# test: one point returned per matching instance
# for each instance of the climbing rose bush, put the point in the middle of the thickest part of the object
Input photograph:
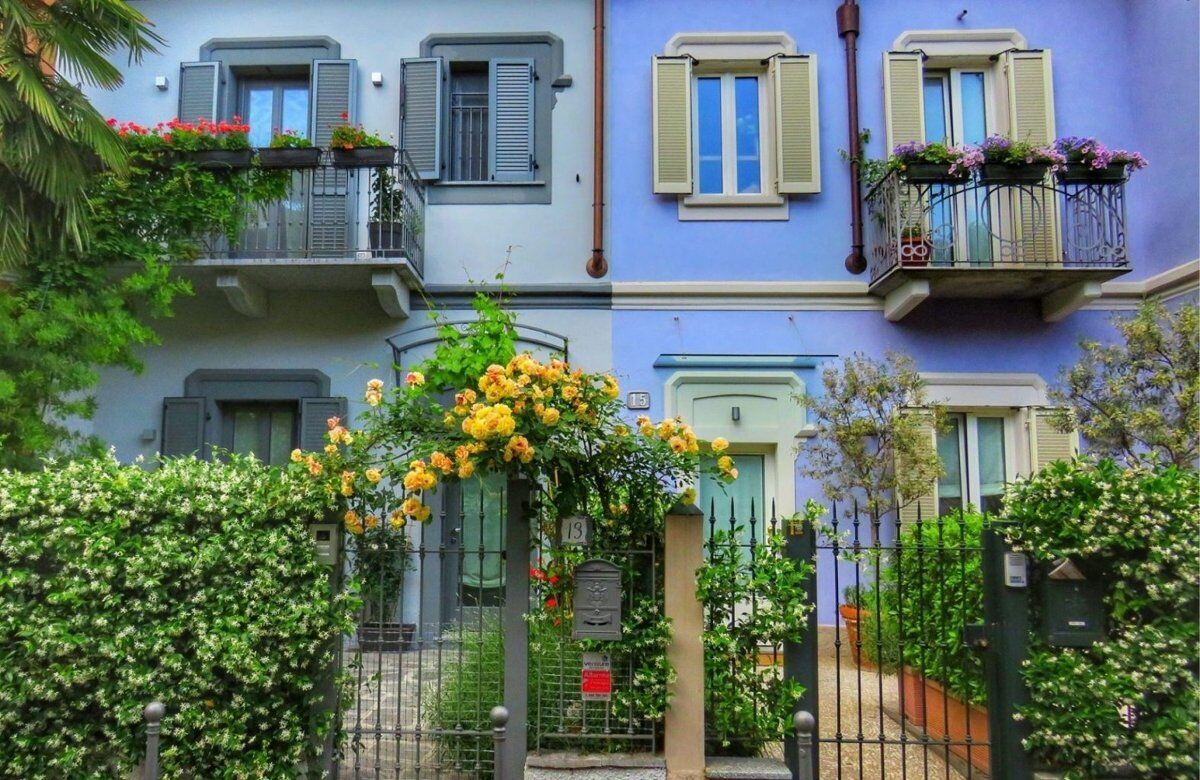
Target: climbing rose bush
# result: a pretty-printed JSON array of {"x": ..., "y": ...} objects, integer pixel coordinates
[
  {"x": 195, "y": 584},
  {"x": 557, "y": 426}
]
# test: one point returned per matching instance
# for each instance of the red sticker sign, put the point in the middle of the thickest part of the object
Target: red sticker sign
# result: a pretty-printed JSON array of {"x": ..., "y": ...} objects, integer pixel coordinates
[{"x": 596, "y": 679}]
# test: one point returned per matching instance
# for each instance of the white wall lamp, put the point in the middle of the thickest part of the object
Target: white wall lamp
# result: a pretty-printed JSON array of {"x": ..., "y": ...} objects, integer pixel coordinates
[
  {"x": 377, "y": 78},
  {"x": 161, "y": 83}
]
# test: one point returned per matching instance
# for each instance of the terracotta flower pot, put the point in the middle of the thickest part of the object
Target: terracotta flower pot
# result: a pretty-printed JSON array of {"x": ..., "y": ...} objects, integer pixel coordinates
[
  {"x": 948, "y": 715},
  {"x": 915, "y": 250},
  {"x": 912, "y": 692},
  {"x": 852, "y": 616}
]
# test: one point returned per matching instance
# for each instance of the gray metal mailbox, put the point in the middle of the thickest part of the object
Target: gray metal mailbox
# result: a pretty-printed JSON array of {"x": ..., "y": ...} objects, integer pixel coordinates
[
  {"x": 597, "y": 600},
  {"x": 1073, "y": 613}
]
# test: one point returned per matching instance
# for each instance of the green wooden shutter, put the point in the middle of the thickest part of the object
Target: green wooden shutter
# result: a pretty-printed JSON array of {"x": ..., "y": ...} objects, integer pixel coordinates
[
  {"x": 923, "y": 507},
  {"x": 510, "y": 119},
  {"x": 1031, "y": 118},
  {"x": 1046, "y": 442},
  {"x": 903, "y": 97},
  {"x": 199, "y": 87},
  {"x": 183, "y": 427},
  {"x": 672, "y": 99},
  {"x": 331, "y": 209},
  {"x": 421, "y": 113},
  {"x": 797, "y": 135},
  {"x": 314, "y": 416}
]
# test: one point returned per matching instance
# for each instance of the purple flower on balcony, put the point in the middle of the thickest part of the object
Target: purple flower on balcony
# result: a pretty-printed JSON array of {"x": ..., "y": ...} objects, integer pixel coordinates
[{"x": 1087, "y": 151}]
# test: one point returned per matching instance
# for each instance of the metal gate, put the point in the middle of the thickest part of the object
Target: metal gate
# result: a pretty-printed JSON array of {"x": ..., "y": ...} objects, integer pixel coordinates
[
  {"x": 432, "y": 655},
  {"x": 893, "y": 668}
]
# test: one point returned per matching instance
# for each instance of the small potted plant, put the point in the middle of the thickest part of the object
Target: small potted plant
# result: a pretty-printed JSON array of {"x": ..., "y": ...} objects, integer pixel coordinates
[
  {"x": 1017, "y": 162},
  {"x": 852, "y": 616},
  {"x": 390, "y": 217},
  {"x": 208, "y": 144},
  {"x": 915, "y": 248},
  {"x": 382, "y": 555},
  {"x": 354, "y": 147},
  {"x": 289, "y": 149},
  {"x": 933, "y": 163},
  {"x": 1089, "y": 161}
]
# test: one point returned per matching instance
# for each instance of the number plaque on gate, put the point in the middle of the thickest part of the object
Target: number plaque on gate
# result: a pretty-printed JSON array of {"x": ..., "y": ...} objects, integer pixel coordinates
[
  {"x": 576, "y": 531},
  {"x": 597, "y": 600}
]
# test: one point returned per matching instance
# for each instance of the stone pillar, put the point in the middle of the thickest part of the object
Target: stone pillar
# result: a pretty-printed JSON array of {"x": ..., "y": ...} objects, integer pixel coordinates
[{"x": 684, "y": 554}]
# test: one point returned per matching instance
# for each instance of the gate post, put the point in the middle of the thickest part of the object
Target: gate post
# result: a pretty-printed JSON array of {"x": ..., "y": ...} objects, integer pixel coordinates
[
  {"x": 511, "y": 762},
  {"x": 683, "y": 555},
  {"x": 800, "y": 659},
  {"x": 1006, "y": 612}
]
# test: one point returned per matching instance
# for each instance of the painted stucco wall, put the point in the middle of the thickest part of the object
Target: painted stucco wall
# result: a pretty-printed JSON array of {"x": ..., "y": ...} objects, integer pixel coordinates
[
  {"x": 1125, "y": 72},
  {"x": 463, "y": 242}
]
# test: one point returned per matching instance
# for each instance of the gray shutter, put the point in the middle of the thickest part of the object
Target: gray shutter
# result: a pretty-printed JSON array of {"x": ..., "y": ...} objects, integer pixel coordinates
[
  {"x": 314, "y": 416},
  {"x": 421, "y": 113},
  {"x": 510, "y": 120},
  {"x": 182, "y": 426},
  {"x": 331, "y": 210},
  {"x": 199, "y": 85}
]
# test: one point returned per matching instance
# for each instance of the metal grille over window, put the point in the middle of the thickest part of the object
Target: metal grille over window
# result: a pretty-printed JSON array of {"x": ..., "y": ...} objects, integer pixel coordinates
[{"x": 469, "y": 126}]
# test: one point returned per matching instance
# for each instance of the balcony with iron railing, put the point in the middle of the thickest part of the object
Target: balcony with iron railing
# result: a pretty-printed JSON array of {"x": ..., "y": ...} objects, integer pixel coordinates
[
  {"x": 340, "y": 225},
  {"x": 1049, "y": 239}
]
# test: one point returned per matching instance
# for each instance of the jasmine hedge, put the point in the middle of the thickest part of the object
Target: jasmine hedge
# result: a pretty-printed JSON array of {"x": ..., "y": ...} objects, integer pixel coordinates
[
  {"x": 1128, "y": 703},
  {"x": 195, "y": 584}
]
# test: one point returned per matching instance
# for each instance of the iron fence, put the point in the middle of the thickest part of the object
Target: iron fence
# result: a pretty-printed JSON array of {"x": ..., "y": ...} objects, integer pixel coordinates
[
  {"x": 901, "y": 688},
  {"x": 362, "y": 213},
  {"x": 984, "y": 224}
]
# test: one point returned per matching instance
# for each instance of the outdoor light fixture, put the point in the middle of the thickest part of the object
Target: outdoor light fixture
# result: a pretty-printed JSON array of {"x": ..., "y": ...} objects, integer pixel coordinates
[
  {"x": 377, "y": 78},
  {"x": 161, "y": 83},
  {"x": 736, "y": 413}
]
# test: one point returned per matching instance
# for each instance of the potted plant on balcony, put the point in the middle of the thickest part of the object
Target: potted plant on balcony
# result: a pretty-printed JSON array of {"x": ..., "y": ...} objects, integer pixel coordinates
[
  {"x": 933, "y": 163},
  {"x": 382, "y": 555},
  {"x": 208, "y": 144},
  {"x": 290, "y": 150},
  {"x": 1016, "y": 162},
  {"x": 915, "y": 248},
  {"x": 1089, "y": 161},
  {"x": 389, "y": 215},
  {"x": 354, "y": 147}
]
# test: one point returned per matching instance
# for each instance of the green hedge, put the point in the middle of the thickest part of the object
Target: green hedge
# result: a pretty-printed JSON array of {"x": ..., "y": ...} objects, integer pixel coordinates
[
  {"x": 195, "y": 584},
  {"x": 1135, "y": 529},
  {"x": 938, "y": 563}
]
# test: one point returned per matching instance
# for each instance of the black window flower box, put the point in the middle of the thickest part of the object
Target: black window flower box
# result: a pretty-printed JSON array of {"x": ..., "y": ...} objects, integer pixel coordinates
[
  {"x": 364, "y": 157},
  {"x": 217, "y": 158},
  {"x": 291, "y": 157},
  {"x": 1084, "y": 173},
  {"x": 933, "y": 173},
  {"x": 1001, "y": 173}
]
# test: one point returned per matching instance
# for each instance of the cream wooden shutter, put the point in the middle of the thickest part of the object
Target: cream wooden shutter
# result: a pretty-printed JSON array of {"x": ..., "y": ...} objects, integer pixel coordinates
[
  {"x": 797, "y": 132},
  {"x": 672, "y": 90},
  {"x": 903, "y": 97},
  {"x": 1046, "y": 443},
  {"x": 1031, "y": 118},
  {"x": 925, "y": 506}
]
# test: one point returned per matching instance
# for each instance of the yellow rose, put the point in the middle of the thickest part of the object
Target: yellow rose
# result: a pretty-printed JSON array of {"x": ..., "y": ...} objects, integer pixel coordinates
[
  {"x": 550, "y": 416},
  {"x": 621, "y": 430},
  {"x": 720, "y": 444},
  {"x": 396, "y": 520},
  {"x": 666, "y": 429},
  {"x": 375, "y": 384},
  {"x": 688, "y": 496},
  {"x": 611, "y": 389},
  {"x": 677, "y": 444},
  {"x": 331, "y": 449},
  {"x": 724, "y": 463},
  {"x": 732, "y": 474},
  {"x": 373, "y": 475},
  {"x": 414, "y": 379},
  {"x": 297, "y": 456},
  {"x": 646, "y": 430},
  {"x": 465, "y": 469},
  {"x": 371, "y": 521},
  {"x": 410, "y": 505}
]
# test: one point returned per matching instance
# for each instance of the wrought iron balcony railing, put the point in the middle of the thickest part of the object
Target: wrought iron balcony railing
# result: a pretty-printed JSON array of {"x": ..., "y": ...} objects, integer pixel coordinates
[
  {"x": 984, "y": 224},
  {"x": 333, "y": 211}
]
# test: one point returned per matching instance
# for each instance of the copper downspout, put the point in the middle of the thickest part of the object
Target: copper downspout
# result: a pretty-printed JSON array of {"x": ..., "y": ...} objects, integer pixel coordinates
[
  {"x": 597, "y": 266},
  {"x": 847, "y": 22}
]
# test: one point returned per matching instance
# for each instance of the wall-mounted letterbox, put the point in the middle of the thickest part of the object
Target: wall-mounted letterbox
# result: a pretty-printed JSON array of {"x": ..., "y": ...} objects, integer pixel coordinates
[
  {"x": 1073, "y": 613},
  {"x": 597, "y": 600}
]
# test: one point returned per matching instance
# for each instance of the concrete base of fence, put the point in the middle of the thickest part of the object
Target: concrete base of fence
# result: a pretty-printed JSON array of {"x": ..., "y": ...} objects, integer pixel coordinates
[
  {"x": 745, "y": 769},
  {"x": 683, "y": 728},
  {"x": 615, "y": 766}
]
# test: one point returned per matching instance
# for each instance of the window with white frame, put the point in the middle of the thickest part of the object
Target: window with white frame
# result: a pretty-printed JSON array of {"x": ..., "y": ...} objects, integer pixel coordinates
[
  {"x": 730, "y": 129},
  {"x": 975, "y": 455}
]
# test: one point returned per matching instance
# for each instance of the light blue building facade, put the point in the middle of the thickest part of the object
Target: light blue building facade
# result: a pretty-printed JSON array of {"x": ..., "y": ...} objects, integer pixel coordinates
[{"x": 727, "y": 216}]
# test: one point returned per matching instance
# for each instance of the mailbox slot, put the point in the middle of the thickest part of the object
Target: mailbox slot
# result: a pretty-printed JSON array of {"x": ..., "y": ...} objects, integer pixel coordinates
[
  {"x": 325, "y": 542},
  {"x": 597, "y": 600},
  {"x": 1073, "y": 613}
]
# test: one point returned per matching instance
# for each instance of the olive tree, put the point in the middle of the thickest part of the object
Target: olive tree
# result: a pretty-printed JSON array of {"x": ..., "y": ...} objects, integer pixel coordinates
[
  {"x": 873, "y": 437},
  {"x": 1138, "y": 400}
]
